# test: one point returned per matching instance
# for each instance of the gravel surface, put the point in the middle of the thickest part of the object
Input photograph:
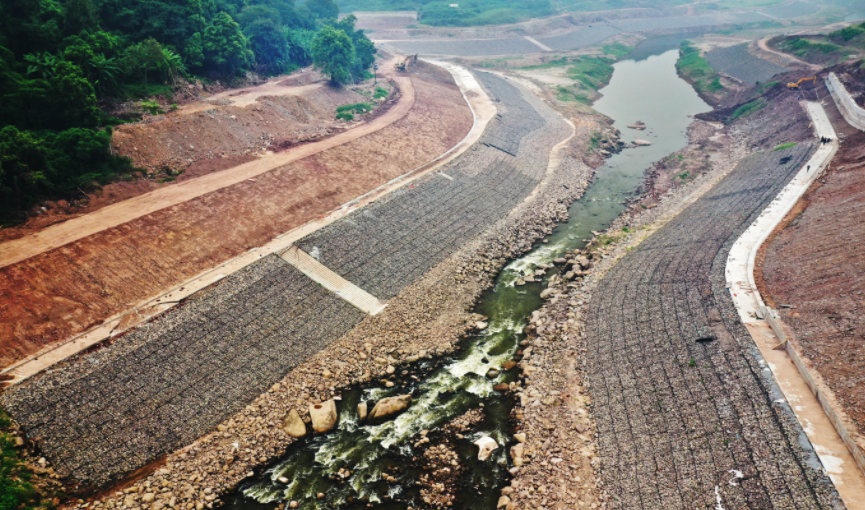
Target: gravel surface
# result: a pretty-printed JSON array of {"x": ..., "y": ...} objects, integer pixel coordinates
[
  {"x": 738, "y": 63},
  {"x": 682, "y": 403},
  {"x": 388, "y": 245}
]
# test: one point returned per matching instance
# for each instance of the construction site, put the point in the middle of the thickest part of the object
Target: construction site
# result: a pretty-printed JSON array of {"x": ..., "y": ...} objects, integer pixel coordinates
[{"x": 591, "y": 260}]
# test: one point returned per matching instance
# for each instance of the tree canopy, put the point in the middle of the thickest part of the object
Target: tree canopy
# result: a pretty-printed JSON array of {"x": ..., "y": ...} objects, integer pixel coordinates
[
  {"x": 61, "y": 59},
  {"x": 333, "y": 52}
]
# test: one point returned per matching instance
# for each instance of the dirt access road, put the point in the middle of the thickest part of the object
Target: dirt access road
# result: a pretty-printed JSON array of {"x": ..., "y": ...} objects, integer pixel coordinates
[
  {"x": 128, "y": 210},
  {"x": 786, "y": 59}
]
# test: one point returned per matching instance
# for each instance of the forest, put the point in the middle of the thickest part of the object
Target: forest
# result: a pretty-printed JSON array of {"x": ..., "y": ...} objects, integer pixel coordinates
[{"x": 63, "y": 63}]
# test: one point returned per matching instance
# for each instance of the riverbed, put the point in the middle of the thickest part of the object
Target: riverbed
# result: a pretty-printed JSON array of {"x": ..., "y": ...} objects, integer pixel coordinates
[{"x": 345, "y": 468}]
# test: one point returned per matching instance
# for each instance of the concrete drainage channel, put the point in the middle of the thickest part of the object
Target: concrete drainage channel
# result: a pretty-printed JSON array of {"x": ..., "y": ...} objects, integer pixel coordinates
[{"x": 841, "y": 455}]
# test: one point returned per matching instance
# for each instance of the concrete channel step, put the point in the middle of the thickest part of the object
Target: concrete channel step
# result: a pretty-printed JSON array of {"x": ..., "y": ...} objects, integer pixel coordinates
[{"x": 331, "y": 281}]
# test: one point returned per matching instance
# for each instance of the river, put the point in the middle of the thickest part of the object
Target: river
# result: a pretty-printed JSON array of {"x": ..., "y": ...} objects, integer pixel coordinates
[{"x": 648, "y": 90}]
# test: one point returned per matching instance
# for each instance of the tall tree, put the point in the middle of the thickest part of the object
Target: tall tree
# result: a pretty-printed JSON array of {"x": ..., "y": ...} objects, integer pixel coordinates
[
  {"x": 225, "y": 46},
  {"x": 333, "y": 52},
  {"x": 145, "y": 56},
  {"x": 270, "y": 46}
]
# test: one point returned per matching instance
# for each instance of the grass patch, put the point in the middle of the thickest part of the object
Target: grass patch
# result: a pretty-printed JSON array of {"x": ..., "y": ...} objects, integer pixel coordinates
[
  {"x": 16, "y": 491},
  {"x": 569, "y": 94},
  {"x": 617, "y": 50},
  {"x": 695, "y": 68},
  {"x": 785, "y": 146},
  {"x": 748, "y": 108},
  {"x": 806, "y": 49},
  {"x": 355, "y": 108},
  {"x": 347, "y": 116},
  {"x": 380, "y": 93}
]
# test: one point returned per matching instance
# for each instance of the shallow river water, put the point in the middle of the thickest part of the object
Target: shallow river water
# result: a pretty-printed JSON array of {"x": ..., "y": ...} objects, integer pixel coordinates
[{"x": 648, "y": 90}]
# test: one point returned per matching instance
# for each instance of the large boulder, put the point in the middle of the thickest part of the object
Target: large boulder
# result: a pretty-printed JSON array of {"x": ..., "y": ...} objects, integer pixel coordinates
[
  {"x": 389, "y": 406},
  {"x": 293, "y": 425},
  {"x": 486, "y": 446},
  {"x": 362, "y": 411},
  {"x": 323, "y": 416}
]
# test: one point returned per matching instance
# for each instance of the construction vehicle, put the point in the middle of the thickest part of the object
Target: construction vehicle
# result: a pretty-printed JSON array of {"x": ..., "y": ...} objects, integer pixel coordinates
[
  {"x": 402, "y": 66},
  {"x": 795, "y": 85}
]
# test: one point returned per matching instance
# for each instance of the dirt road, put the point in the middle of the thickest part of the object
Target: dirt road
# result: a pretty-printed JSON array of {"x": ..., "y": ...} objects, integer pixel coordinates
[
  {"x": 126, "y": 211},
  {"x": 763, "y": 45}
]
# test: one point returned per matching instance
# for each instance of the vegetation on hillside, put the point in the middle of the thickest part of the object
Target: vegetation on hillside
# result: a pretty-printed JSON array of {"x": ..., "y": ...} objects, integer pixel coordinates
[
  {"x": 589, "y": 73},
  {"x": 16, "y": 491},
  {"x": 692, "y": 66},
  {"x": 61, "y": 60},
  {"x": 854, "y": 35},
  {"x": 809, "y": 50}
]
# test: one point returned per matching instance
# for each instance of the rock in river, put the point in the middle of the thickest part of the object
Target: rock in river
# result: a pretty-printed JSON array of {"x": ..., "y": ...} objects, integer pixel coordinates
[
  {"x": 486, "y": 446},
  {"x": 389, "y": 406},
  {"x": 361, "y": 411},
  {"x": 293, "y": 425},
  {"x": 323, "y": 416}
]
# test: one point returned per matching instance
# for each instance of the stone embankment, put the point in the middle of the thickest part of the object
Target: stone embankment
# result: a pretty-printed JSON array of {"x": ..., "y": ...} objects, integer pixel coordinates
[
  {"x": 424, "y": 319},
  {"x": 680, "y": 400}
]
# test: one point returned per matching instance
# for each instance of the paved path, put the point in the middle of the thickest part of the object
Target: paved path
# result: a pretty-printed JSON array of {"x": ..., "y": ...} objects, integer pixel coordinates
[
  {"x": 128, "y": 210},
  {"x": 688, "y": 414}
]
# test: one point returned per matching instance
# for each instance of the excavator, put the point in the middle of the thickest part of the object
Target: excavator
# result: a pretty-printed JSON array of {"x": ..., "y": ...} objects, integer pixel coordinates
[
  {"x": 795, "y": 85},
  {"x": 402, "y": 66}
]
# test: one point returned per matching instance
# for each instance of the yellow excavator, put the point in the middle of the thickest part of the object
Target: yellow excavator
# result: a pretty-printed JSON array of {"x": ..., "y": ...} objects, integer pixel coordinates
[
  {"x": 401, "y": 66},
  {"x": 795, "y": 85}
]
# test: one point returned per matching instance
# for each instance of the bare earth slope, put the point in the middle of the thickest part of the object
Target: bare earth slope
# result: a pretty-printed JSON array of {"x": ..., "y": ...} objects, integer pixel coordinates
[
  {"x": 59, "y": 293},
  {"x": 816, "y": 266}
]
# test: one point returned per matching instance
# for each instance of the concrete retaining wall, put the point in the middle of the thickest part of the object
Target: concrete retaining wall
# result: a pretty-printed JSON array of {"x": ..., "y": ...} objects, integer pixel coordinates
[
  {"x": 852, "y": 112},
  {"x": 791, "y": 347}
]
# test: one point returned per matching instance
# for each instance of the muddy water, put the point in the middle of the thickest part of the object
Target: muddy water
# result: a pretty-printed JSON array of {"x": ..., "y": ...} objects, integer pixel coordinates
[{"x": 648, "y": 90}]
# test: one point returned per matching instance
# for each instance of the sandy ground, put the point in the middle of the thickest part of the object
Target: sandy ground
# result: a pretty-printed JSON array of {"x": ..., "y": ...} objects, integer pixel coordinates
[{"x": 161, "y": 239}]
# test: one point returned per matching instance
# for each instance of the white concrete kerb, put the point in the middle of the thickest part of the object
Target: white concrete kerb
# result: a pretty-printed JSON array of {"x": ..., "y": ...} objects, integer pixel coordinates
[
  {"x": 824, "y": 428},
  {"x": 743, "y": 255}
]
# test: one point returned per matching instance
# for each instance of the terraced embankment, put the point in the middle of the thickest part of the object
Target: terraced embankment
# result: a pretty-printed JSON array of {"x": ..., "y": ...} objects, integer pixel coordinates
[
  {"x": 686, "y": 411},
  {"x": 737, "y": 62},
  {"x": 59, "y": 293},
  {"x": 149, "y": 392}
]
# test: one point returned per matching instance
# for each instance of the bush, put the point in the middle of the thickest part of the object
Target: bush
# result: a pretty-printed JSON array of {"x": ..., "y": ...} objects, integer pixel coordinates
[
  {"x": 46, "y": 165},
  {"x": 355, "y": 108},
  {"x": 345, "y": 116},
  {"x": 748, "y": 108},
  {"x": 380, "y": 93}
]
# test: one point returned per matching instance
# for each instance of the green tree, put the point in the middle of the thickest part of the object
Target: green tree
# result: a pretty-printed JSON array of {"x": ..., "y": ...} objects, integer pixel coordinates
[
  {"x": 333, "y": 52},
  {"x": 22, "y": 165},
  {"x": 225, "y": 46},
  {"x": 270, "y": 46},
  {"x": 30, "y": 26},
  {"x": 364, "y": 48},
  {"x": 323, "y": 9},
  {"x": 145, "y": 56}
]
